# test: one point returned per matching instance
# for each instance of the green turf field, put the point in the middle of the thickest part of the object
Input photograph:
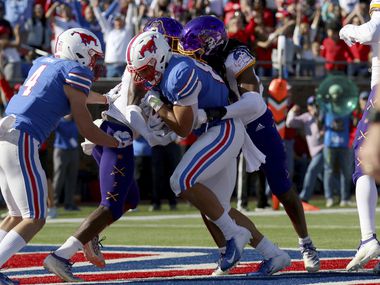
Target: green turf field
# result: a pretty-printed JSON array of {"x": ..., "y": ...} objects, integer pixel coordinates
[{"x": 338, "y": 230}]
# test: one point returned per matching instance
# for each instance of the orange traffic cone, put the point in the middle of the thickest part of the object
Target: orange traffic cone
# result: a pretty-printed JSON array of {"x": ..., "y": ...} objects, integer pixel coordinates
[{"x": 275, "y": 203}]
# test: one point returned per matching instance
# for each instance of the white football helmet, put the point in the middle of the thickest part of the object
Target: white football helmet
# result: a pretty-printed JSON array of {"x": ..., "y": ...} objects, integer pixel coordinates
[
  {"x": 147, "y": 56},
  {"x": 79, "y": 45}
]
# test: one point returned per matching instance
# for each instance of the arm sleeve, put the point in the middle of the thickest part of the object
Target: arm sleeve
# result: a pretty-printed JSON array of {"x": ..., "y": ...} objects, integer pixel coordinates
[
  {"x": 249, "y": 103},
  {"x": 111, "y": 9},
  {"x": 106, "y": 27},
  {"x": 79, "y": 78},
  {"x": 365, "y": 34}
]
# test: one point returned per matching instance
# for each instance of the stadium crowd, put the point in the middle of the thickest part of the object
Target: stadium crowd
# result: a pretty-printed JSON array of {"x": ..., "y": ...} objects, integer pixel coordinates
[{"x": 313, "y": 47}]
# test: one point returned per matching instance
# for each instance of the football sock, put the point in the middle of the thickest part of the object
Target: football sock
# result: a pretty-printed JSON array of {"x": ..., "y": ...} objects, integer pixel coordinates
[
  {"x": 10, "y": 244},
  {"x": 267, "y": 249},
  {"x": 222, "y": 250},
  {"x": 2, "y": 234},
  {"x": 226, "y": 225},
  {"x": 366, "y": 200},
  {"x": 69, "y": 248},
  {"x": 305, "y": 240}
]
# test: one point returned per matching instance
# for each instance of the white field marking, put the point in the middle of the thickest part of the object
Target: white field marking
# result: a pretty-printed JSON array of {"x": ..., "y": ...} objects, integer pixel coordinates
[
  {"x": 133, "y": 247},
  {"x": 152, "y": 256},
  {"x": 353, "y": 282},
  {"x": 201, "y": 226},
  {"x": 193, "y": 216},
  {"x": 366, "y": 281},
  {"x": 167, "y": 268}
]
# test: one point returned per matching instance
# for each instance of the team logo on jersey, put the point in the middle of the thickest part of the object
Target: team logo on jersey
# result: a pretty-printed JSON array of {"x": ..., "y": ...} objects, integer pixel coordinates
[
  {"x": 150, "y": 46},
  {"x": 86, "y": 39},
  {"x": 242, "y": 57}
]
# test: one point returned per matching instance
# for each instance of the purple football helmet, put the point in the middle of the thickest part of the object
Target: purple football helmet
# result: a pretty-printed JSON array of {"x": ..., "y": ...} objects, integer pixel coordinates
[
  {"x": 169, "y": 27},
  {"x": 202, "y": 36}
]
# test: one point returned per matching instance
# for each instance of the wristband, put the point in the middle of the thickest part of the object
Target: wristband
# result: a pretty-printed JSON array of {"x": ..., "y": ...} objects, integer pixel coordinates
[{"x": 374, "y": 117}]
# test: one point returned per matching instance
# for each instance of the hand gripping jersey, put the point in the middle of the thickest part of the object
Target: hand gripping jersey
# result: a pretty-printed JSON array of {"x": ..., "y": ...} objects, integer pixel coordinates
[
  {"x": 187, "y": 82},
  {"x": 41, "y": 101}
]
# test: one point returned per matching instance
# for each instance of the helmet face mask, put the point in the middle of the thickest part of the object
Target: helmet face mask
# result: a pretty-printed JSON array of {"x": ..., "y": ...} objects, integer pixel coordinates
[
  {"x": 147, "y": 56},
  {"x": 79, "y": 45}
]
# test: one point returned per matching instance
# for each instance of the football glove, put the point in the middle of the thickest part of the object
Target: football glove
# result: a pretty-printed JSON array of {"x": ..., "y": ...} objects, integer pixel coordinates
[
  {"x": 124, "y": 138},
  {"x": 113, "y": 94},
  {"x": 152, "y": 98},
  {"x": 216, "y": 113}
]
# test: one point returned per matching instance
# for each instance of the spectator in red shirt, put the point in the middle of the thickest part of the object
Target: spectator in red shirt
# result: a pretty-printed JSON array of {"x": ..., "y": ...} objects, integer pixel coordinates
[
  {"x": 360, "y": 52},
  {"x": 236, "y": 30},
  {"x": 334, "y": 49}
]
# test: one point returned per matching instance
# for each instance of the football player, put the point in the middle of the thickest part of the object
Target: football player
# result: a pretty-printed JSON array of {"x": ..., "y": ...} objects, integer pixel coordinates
[
  {"x": 126, "y": 110},
  {"x": 119, "y": 192},
  {"x": 170, "y": 26},
  {"x": 365, "y": 185},
  {"x": 56, "y": 86},
  {"x": 205, "y": 39},
  {"x": 210, "y": 163}
]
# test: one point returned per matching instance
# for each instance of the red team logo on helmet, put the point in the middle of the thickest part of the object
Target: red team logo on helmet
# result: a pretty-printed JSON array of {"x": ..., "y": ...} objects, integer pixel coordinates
[
  {"x": 149, "y": 46},
  {"x": 86, "y": 39}
]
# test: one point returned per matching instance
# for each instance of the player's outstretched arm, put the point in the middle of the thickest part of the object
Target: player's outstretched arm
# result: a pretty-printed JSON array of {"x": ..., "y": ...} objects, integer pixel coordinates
[
  {"x": 250, "y": 102},
  {"x": 83, "y": 119}
]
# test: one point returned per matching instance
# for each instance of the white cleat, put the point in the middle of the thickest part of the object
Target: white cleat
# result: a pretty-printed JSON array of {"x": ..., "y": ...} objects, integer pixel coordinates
[
  {"x": 60, "y": 267},
  {"x": 368, "y": 249},
  {"x": 218, "y": 271},
  {"x": 93, "y": 253},
  {"x": 272, "y": 265},
  {"x": 310, "y": 257}
]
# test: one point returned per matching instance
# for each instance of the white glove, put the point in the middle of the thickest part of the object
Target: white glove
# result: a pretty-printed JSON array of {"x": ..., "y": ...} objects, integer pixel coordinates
[
  {"x": 124, "y": 138},
  {"x": 158, "y": 138},
  {"x": 344, "y": 35},
  {"x": 113, "y": 94},
  {"x": 152, "y": 98},
  {"x": 154, "y": 122},
  {"x": 6, "y": 124},
  {"x": 87, "y": 147}
]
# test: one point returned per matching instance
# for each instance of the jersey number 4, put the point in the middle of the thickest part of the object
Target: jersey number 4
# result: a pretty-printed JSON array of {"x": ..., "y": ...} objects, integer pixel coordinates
[{"x": 33, "y": 80}]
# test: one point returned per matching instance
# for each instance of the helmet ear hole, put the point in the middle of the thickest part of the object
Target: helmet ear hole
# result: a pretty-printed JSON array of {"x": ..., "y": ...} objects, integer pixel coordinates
[{"x": 79, "y": 55}]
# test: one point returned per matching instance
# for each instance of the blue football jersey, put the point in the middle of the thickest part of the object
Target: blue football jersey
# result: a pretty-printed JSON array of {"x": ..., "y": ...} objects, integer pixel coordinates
[
  {"x": 41, "y": 101},
  {"x": 182, "y": 77}
]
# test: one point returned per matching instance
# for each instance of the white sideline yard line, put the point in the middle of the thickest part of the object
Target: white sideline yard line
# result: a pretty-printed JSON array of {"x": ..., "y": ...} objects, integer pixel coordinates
[
  {"x": 194, "y": 216},
  {"x": 202, "y": 226}
]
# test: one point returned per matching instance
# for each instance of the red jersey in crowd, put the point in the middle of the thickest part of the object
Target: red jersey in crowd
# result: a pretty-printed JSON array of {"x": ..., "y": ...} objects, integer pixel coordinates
[{"x": 335, "y": 51}]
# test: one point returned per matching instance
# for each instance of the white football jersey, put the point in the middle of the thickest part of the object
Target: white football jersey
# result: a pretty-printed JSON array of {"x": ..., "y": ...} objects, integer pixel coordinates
[
  {"x": 368, "y": 34},
  {"x": 236, "y": 63},
  {"x": 117, "y": 109}
]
